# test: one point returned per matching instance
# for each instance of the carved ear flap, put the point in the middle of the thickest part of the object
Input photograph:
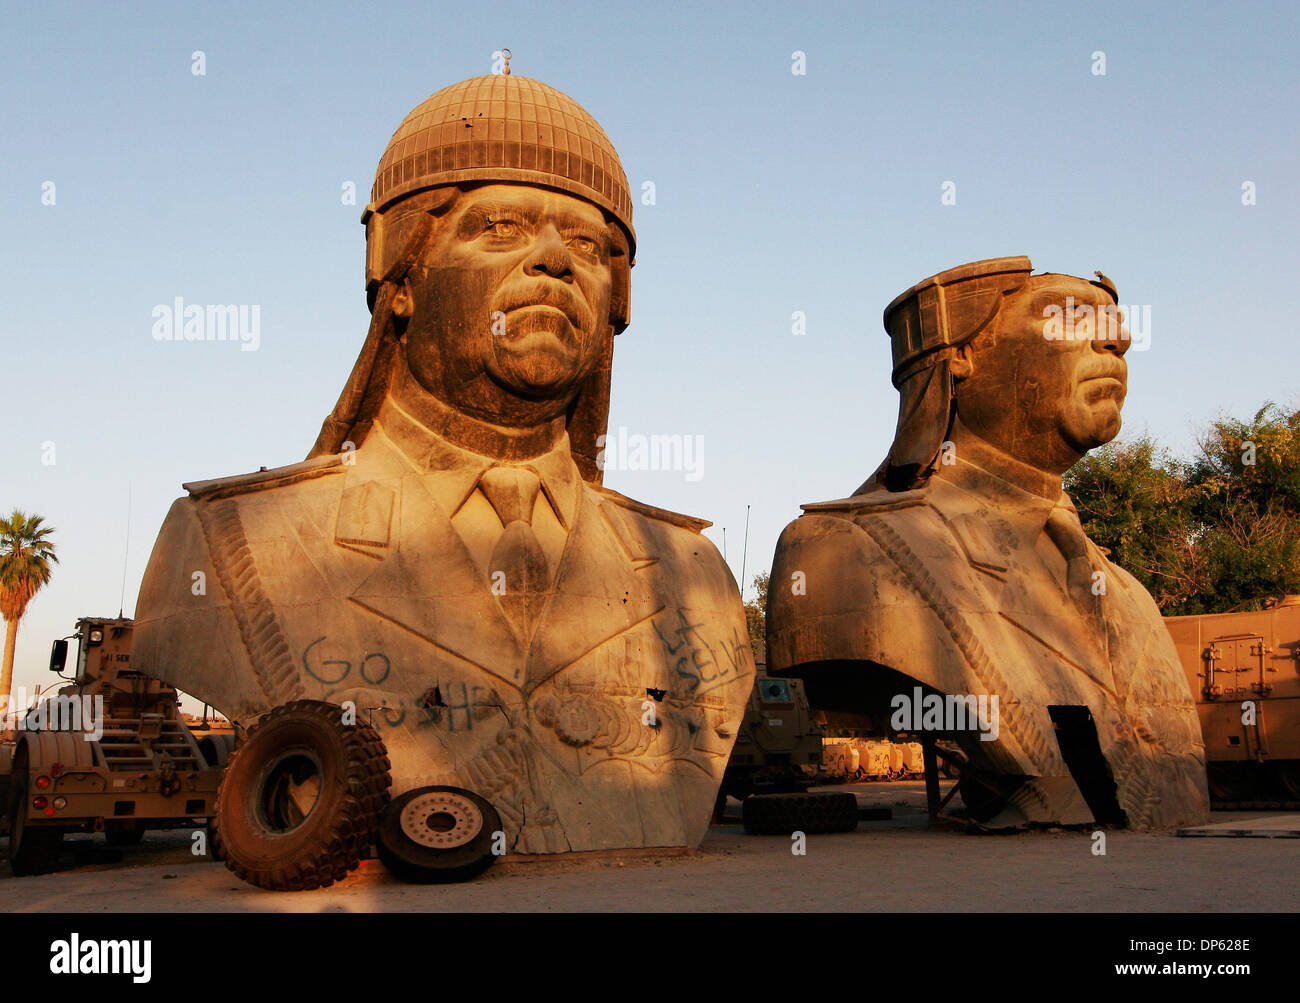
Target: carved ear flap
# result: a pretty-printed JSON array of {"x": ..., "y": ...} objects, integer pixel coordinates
[
  {"x": 620, "y": 269},
  {"x": 364, "y": 390},
  {"x": 925, "y": 408}
]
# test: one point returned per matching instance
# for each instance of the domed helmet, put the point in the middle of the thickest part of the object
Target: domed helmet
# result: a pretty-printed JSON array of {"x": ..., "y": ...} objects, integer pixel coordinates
[{"x": 501, "y": 129}]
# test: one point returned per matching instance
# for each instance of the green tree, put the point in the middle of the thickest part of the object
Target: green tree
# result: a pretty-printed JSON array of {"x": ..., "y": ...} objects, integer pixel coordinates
[
  {"x": 1245, "y": 497},
  {"x": 756, "y": 617},
  {"x": 26, "y": 556},
  {"x": 1216, "y": 533},
  {"x": 1133, "y": 501}
]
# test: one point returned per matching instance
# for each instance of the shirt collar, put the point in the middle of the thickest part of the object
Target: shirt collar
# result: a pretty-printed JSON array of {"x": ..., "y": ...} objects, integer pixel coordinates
[
  {"x": 458, "y": 470},
  {"x": 1024, "y": 511}
]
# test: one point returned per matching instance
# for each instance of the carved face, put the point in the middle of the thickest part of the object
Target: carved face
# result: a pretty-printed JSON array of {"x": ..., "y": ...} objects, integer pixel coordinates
[
  {"x": 1047, "y": 394},
  {"x": 509, "y": 306}
]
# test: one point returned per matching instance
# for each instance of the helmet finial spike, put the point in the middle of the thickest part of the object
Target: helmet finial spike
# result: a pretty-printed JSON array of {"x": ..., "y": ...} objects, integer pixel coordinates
[{"x": 506, "y": 53}]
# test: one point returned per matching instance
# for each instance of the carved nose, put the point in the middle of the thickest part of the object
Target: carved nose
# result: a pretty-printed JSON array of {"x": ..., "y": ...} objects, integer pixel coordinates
[
  {"x": 1112, "y": 336},
  {"x": 550, "y": 257}
]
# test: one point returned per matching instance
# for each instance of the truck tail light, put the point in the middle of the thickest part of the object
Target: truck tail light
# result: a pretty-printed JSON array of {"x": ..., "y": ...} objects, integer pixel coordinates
[
  {"x": 39, "y": 803},
  {"x": 42, "y": 782},
  {"x": 60, "y": 803}
]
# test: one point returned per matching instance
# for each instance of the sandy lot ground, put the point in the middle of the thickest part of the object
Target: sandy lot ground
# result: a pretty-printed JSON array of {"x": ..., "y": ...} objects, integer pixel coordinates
[{"x": 897, "y": 865}]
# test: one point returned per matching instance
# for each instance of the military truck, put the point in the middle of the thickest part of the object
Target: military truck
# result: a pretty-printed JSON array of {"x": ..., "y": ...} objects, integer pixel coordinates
[
  {"x": 779, "y": 746},
  {"x": 107, "y": 753},
  {"x": 1244, "y": 670}
]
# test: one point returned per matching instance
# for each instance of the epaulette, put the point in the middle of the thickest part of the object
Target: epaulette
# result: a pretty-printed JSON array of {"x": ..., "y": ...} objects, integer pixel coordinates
[
  {"x": 875, "y": 501},
  {"x": 650, "y": 512},
  {"x": 276, "y": 477}
]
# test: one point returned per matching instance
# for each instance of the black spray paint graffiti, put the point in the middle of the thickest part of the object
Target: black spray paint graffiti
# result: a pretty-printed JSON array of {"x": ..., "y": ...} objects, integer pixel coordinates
[
  {"x": 454, "y": 705},
  {"x": 696, "y": 661},
  {"x": 455, "y": 710},
  {"x": 373, "y": 669}
]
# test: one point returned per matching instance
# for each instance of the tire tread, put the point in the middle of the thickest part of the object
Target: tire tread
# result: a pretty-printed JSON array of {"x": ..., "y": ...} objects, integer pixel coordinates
[{"x": 339, "y": 848}]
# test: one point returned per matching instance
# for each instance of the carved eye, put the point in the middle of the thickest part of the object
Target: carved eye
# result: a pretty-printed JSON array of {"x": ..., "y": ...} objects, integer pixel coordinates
[
  {"x": 583, "y": 245},
  {"x": 503, "y": 228}
]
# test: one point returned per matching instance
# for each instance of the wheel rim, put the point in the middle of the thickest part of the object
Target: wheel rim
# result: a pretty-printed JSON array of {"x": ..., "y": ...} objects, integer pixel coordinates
[
  {"x": 288, "y": 790},
  {"x": 441, "y": 820}
]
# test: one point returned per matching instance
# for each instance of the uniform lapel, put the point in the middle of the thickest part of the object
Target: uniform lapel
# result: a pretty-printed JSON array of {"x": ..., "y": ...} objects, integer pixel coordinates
[
  {"x": 1026, "y": 577},
  {"x": 1037, "y": 600},
  {"x": 431, "y": 587},
  {"x": 602, "y": 589}
]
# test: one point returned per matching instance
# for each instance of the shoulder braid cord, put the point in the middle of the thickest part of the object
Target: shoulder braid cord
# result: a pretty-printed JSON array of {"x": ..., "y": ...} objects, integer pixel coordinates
[
  {"x": 1022, "y": 729},
  {"x": 1133, "y": 789},
  {"x": 268, "y": 652},
  {"x": 258, "y": 626}
]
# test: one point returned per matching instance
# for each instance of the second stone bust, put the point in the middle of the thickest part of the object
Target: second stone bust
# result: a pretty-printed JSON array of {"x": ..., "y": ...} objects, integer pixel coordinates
[{"x": 955, "y": 595}]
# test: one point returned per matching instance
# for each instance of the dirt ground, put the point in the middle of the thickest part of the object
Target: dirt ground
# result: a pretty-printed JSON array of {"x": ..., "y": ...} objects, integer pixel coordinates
[{"x": 897, "y": 865}]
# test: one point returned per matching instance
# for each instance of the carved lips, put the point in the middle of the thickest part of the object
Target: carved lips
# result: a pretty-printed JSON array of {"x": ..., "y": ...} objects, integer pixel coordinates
[
  {"x": 552, "y": 295},
  {"x": 1112, "y": 370}
]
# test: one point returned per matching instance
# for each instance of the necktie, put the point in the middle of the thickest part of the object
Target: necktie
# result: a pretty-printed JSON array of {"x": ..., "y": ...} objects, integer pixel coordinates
[
  {"x": 519, "y": 573},
  {"x": 1064, "y": 530}
]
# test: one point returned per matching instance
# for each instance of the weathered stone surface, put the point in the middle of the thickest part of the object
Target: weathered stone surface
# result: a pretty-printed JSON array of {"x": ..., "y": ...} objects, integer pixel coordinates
[
  {"x": 447, "y": 558},
  {"x": 962, "y": 566}
]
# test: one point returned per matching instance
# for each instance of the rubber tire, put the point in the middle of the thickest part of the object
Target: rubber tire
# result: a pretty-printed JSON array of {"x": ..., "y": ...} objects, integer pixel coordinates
[
  {"x": 122, "y": 834},
  {"x": 32, "y": 849},
  {"x": 1286, "y": 776},
  {"x": 214, "y": 840},
  {"x": 217, "y": 749},
  {"x": 427, "y": 865},
  {"x": 1233, "y": 781},
  {"x": 341, "y": 825},
  {"x": 783, "y": 814}
]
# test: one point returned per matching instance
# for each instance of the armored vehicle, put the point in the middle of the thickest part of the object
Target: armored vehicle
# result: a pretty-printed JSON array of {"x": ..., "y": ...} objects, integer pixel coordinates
[
  {"x": 779, "y": 746},
  {"x": 855, "y": 759},
  {"x": 840, "y": 759},
  {"x": 107, "y": 753},
  {"x": 1243, "y": 670}
]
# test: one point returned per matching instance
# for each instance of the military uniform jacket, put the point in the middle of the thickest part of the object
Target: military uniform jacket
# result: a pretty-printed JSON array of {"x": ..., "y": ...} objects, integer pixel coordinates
[
  {"x": 604, "y": 721},
  {"x": 973, "y": 585}
]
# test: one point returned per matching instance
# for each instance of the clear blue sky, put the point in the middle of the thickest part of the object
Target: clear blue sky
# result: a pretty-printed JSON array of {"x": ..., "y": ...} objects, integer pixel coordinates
[{"x": 775, "y": 193}]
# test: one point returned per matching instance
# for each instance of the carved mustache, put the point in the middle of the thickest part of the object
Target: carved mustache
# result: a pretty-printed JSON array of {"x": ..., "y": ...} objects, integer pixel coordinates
[
  {"x": 554, "y": 294},
  {"x": 1104, "y": 368}
]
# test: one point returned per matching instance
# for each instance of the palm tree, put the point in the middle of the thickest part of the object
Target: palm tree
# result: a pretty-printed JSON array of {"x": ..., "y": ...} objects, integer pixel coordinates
[{"x": 25, "y": 559}]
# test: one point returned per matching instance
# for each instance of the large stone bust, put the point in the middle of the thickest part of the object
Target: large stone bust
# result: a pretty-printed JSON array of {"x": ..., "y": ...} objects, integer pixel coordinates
[
  {"x": 447, "y": 555},
  {"x": 961, "y": 566}
]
